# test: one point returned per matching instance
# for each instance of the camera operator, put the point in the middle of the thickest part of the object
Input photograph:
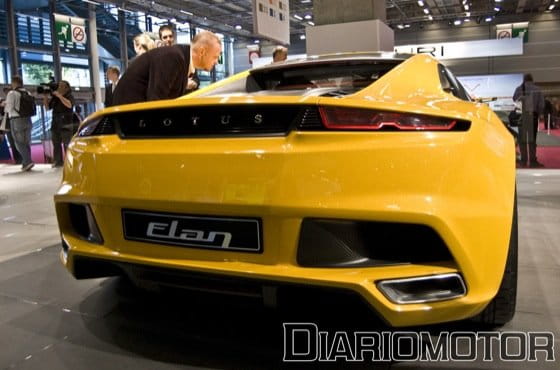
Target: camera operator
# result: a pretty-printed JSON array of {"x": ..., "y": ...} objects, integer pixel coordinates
[{"x": 61, "y": 102}]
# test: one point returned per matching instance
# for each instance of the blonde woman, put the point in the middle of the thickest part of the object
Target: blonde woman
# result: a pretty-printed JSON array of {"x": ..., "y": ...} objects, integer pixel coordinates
[{"x": 142, "y": 43}]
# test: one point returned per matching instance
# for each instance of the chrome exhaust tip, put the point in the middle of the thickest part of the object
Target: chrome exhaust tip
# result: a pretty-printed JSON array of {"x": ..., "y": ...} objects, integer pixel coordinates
[{"x": 423, "y": 289}]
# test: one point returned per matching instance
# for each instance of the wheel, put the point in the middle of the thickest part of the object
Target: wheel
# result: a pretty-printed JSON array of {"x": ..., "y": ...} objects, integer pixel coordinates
[{"x": 502, "y": 308}]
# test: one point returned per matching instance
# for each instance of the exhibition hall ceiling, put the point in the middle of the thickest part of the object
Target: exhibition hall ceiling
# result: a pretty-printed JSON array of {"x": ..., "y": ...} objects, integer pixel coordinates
[{"x": 235, "y": 17}]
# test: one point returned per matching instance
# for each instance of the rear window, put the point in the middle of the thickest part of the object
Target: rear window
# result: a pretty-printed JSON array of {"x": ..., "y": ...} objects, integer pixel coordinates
[{"x": 320, "y": 79}]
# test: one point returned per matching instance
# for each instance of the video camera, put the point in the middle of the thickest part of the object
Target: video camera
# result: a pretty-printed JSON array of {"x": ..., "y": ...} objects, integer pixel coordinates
[{"x": 47, "y": 87}]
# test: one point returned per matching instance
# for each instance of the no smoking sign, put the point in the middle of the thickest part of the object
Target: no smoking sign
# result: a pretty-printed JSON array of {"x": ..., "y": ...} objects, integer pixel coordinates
[{"x": 78, "y": 34}]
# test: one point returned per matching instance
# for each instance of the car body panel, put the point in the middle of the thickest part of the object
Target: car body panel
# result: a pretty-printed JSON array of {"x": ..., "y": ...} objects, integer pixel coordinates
[{"x": 461, "y": 184}]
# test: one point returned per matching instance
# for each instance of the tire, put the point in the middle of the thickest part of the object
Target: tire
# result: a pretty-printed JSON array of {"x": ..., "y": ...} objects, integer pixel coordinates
[{"x": 501, "y": 309}]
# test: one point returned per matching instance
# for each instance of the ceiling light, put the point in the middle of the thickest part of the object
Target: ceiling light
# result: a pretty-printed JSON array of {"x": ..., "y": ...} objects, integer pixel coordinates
[
  {"x": 302, "y": 37},
  {"x": 310, "y": 23},
  {"x": 468, "y": 14},
  {"x": 185, "y": 12},
  {"x": 257, "y": 42},
  {"x": 426, "y": 11},
  {"x": 407, "y": 26},
  {"x": 488, "y": 19},
  {"x": 400, "y": 26},
  {"x": 497, "y": 8},
  {"x": 298, "y": 17},
  {"x": 308, "y": 16},
  {"x": 498, "y": 1},
  {"x": 467, "y": 20},
  {"x": 457, "y": 22},
  {"x": 430, "y": 18},
  {"x": 238, "y": 27},
  {"x": 305, "y": 1},
  {"x": 420, "y": 3},
  {"x": 91, "y": 2},
  {"x": 466, "y": 6},
  {"x": 551, "y": 7}
]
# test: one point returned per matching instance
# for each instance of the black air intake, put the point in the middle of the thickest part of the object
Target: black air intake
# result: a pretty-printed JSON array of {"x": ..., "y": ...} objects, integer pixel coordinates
[
  {"x": 83, "y": 223},
  {"x": 105, "y": 127},
  {"x": 341, "y": 243}
]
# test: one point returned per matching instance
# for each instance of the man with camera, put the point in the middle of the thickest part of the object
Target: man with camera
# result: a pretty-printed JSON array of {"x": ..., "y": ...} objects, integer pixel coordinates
[{"x": 59, "y": 98}]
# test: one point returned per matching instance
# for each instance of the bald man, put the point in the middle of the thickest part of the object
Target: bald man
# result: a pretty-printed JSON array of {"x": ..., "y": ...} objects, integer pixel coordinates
[
  {"x": 279, "y": 54},
  {"x": 163, "y": 73}
]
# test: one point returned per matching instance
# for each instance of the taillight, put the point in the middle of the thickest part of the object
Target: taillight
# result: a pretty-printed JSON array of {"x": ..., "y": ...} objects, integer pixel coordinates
[{"x": 336, "y": 118}]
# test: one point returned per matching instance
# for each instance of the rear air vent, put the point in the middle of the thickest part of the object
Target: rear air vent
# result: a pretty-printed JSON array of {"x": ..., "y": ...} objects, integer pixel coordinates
[
  {"x": 83, "y": 223},
  {"x": 342, "y": 243},
  {"x": 78, "y": 219},
  {"x": 310, "y": 119},
  {"x": 105, "y": 127}
]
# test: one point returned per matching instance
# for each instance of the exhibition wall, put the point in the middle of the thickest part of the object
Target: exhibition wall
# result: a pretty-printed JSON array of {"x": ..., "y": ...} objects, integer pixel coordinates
[{"x": 541, "y": 54}]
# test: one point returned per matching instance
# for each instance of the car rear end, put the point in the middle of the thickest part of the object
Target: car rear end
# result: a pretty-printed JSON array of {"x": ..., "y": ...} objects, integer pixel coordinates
[{"x": 399, "y": 204}]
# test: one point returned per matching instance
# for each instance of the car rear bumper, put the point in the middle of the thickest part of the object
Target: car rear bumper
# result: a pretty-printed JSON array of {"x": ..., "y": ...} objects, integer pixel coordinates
[
  {"x": 450, "y": 182},
  {"x": 250, "y": 280}
]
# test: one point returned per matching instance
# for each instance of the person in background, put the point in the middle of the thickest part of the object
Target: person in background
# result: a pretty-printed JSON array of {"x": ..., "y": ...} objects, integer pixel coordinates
[
  {"x": 4, "y": 116},
  {"x": 167, "y": 35},
  {"x": 61, "y": 101},
  {"x": 532, "y": 105},
  {"x": 163, "y": 73},
  {"x": 548, "y": 115},
  {"x": 279, "y": 54},
  {"x": 556, "y": 106},
  {"x": 143, "y": 43},
  {"x": 113, "y": 73},
  {"x": 19, "y": 125}
]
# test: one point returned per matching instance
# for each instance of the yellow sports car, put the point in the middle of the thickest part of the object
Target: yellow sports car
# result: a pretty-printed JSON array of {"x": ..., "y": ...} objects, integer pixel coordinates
[{"x": 370, "y": 173}]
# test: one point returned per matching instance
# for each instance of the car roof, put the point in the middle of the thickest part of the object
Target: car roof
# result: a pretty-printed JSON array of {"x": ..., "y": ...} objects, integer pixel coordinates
[{"x": 336, "y": 57}]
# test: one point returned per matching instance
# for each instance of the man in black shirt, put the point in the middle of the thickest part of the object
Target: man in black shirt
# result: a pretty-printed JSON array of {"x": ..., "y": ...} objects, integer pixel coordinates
[
  {"x": 61, "y": 102},
  {"x": 113, "y": 74},
  {"x": 532, "y": 106},
  {"x": 163, "y": 73}
]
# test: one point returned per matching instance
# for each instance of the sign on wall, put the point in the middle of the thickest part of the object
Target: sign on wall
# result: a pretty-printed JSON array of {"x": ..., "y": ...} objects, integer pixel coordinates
[
  {"x": 466, "y": 49},
  {"x": 520, "y": 30},
  {"x": 271, "y": 19},
  {"x": 503, "y": 33},
  {"x": 70, "y": 29},
  {"x": 254, "y": 52}
]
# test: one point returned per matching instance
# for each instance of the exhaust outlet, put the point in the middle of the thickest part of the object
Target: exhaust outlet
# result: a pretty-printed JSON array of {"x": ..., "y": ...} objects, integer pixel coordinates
[{"x": 423, "y": 289}]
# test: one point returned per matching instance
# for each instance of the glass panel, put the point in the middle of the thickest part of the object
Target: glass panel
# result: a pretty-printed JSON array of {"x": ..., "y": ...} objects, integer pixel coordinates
[
  {"x": 36, "y": 73},
  {"x": 77, "y": 77}
]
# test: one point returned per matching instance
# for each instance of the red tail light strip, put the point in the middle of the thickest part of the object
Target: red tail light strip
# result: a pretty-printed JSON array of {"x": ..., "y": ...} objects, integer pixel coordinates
[{"x": 335, "y": 118}]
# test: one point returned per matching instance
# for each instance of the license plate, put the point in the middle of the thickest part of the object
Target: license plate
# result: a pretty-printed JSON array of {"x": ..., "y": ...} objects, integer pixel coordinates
[{"x": 192, "y": 231}]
